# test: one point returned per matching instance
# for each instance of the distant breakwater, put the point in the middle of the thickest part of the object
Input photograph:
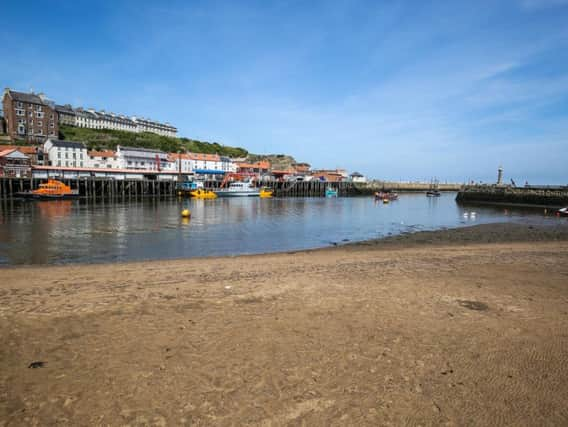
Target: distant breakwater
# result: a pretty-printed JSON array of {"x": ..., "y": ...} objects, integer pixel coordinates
[
  {"x": 369, "y": 188},
  {"x": 548, "y": 196}
]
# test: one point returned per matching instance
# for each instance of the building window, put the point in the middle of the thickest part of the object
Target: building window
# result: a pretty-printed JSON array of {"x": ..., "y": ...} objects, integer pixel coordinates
[
  {"x": 20, "y": 113},
  {"x": 81, "y": 164},
  {"x": 58, "y": 154},
  {"x": 19, "y": 104},
  {"x": 39, "y": 115},
  {"x": 40, "y": 123},
  {"x": 66, "y": 155},
  {"x": 21, "y": 130},
  {"x": 58, "y": 163}
]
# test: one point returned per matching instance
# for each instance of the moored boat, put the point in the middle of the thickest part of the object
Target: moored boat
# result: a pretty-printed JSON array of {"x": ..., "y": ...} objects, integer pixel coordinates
[
  {"x": 433, "y": 193},
  {"x": 201, "y": 193},
  {"x": 238, "y": 189},
  {"x": 562, "y": 212},
  {"x": 388, "y": 195},
  {"x": 266, "y": 192},
  {"x": 52, "y": 189},
  {"x": 330, "y": 192}
]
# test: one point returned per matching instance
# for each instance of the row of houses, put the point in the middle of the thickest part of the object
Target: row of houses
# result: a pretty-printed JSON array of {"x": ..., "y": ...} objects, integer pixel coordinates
[
  {"x": 58, "y": 155},
  {"x": 35, "y": 118}
]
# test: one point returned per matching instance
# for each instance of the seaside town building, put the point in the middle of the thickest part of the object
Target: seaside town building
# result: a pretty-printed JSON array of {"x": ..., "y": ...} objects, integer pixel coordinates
[
  {"x": 29, "y": 116},
  {"x": 65, "y": 153},
  {"x": 102, "y": 159},
  {"x": 35, "y": 118},
  {"x": 14, "y": 163},
  {"x": 206, "y": 164},
  {"x": 66, "y": 115},
  {"x": 147, "y": 125},
  {"x": 335, "y": 175},
  {"x": 142, "y": 159},
  {"x": 259, "y": 168},
  {"x": 357, "y": 177},
  {"x": 34, "y": 153},
  {"x": 102, "y": 120}
]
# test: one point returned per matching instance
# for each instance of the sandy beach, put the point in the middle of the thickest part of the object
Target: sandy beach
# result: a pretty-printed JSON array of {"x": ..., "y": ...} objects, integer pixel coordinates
[{"x": 455, "y": 327}]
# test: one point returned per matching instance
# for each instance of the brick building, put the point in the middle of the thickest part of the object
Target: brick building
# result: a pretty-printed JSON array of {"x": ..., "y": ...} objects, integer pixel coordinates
[{"x": 29, "y": 116}]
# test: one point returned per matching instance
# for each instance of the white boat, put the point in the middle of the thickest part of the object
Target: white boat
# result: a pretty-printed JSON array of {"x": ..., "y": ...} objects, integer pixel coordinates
[{"x": 238, "y": 189}]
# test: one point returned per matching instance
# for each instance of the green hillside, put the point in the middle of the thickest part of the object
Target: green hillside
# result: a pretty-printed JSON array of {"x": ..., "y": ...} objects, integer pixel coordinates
[{"x": 98, "y": 139}]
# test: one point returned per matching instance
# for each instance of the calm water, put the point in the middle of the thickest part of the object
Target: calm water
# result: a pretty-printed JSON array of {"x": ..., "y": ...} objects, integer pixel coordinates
[{"x": 50, "y": 232}]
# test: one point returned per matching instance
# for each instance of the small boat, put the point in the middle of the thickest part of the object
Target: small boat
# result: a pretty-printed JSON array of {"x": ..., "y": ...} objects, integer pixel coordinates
[
  {"x": 562, "y": 212},
  {"x": 382, "y": 195},
  {"x": 266, "y": 192},
  {"x": 238, "y": 189},
  {"x": 330, "y": 192},
  {"x": 433, "y": 190},
  {"x": 200, "y": 193},
  {"x": 386, "y": 200},
  {"x": 52, "y": 189}
]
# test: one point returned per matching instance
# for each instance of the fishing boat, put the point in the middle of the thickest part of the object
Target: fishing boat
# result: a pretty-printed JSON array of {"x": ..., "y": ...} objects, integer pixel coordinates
[
  {"x": 433, "y": 191},
  {"x": 201, "y": 193},
  {"x": 238, "y": 189},
  {"x": 266, "y": 192},
  {"x": 52, "y": 189},
  {"x": 389, "y": 195},
  {"x": 330, "y": 192}
]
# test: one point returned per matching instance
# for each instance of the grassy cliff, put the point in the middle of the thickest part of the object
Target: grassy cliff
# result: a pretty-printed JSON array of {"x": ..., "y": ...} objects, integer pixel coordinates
[{"x": 97, "y": 139}]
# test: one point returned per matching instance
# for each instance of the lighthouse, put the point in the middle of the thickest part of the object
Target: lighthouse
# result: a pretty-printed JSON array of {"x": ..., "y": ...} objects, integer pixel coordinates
[{"x": 500, "y": 175}]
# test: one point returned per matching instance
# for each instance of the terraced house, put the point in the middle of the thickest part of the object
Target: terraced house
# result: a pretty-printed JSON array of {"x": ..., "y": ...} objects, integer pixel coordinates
[{"x": 29, "y": 116}]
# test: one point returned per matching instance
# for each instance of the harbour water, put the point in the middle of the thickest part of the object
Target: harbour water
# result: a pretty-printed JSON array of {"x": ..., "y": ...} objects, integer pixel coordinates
[{"x": 78, "y": 231}]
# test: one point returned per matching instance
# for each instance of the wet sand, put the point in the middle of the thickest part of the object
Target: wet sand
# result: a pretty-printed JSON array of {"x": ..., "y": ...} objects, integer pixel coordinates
[{"x": 457, "y": 327}]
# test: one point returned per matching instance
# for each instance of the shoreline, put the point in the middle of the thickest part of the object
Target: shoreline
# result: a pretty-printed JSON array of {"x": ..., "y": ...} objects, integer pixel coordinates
[
  {"x": 505, "y": 232},
  {"x": 424, "y": 329}
]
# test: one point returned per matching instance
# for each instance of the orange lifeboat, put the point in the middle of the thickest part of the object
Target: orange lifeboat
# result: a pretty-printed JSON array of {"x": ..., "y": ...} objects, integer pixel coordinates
[{"x": 52, "y": 189}]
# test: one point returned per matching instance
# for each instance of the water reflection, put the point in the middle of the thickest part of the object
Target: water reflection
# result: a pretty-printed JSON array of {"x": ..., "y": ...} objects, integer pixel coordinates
[{"x": 85, "y": 231}]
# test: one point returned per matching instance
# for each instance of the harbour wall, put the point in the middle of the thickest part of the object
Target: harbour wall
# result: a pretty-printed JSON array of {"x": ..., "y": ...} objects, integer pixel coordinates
[
  {"x": 547, "y": 196},
  {"x": 374, "y": 186}
]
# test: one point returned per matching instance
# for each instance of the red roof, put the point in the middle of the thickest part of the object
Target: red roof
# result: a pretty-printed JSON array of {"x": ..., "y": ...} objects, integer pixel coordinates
[
  {"x": 26, "y": 149},
  {"x": 107, "y": 153}
]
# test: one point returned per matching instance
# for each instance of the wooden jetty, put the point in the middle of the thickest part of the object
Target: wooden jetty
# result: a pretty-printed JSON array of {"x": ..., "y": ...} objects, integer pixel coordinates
[{"x": 93, "y": 187}]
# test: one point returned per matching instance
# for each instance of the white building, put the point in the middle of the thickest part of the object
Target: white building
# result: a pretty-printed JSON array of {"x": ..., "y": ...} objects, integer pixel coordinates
[
  {"x": 357, "y": 177},
  {"x": 206, "y": 164},
  {"x": 147, "y": 125},
  {"x": 103, "y": 159},
  {"x": 102, "y": 120},
  {"x": 65, "y": 153},
  {"x": 142, "y": 159}
]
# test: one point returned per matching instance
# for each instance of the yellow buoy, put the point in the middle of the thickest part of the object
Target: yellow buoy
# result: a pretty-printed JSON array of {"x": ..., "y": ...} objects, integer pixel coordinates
[{"x": 186, "y": 213}]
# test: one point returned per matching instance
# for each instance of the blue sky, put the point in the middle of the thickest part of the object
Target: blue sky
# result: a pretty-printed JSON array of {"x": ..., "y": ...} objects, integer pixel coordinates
[{"x": 395, "y": 90}]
